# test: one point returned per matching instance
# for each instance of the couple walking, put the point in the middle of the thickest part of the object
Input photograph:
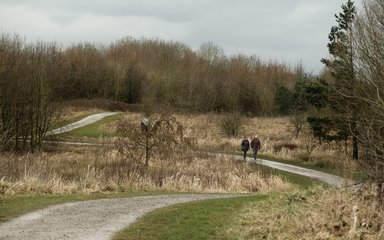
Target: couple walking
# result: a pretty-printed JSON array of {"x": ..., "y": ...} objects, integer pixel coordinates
[{"x": 255, "y": 145}]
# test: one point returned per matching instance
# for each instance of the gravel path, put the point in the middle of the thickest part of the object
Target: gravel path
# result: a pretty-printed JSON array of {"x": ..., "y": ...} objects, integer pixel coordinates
[
  {"x": 90, "y": 220},
  {"x": 330, "y": 179},
  {"x": 81, "y": 123}
]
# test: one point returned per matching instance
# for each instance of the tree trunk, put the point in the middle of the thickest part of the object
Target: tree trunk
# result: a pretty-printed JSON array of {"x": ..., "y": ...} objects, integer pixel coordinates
[{"x": 355, "y": 149}]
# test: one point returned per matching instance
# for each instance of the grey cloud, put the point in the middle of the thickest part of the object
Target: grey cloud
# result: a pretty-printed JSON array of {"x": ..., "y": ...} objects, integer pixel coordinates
[
  {"x": 283, "y": 29},
  {"x": 166, "y": 10}
]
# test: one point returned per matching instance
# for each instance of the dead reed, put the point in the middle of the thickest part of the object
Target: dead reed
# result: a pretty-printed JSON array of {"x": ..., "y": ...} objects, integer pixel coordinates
[
  {"x": 275, "y": 133},
  {"x": 103, "y": 170},
  {"x": 318, "y": 214}
]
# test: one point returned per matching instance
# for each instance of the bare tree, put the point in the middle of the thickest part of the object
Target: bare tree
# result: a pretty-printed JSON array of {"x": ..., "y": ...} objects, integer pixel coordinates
[
  {"x": 211, "y": 53},
  {"x": 298, "y": 119},
  {"x": 231, "y": 124},
  {"x": 24, "y": 92},
  {"x": 163, "y": 136},
  {"x": 369, "y": 53}
]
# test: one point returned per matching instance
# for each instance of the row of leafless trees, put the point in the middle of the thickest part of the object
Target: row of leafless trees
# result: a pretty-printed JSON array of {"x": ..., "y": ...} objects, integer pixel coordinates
[
  {"x": 171, "y": 74},
  {"x": 34, "y": 75},
  {"x": 202, "y": 80},
  {"x": 25, "y": 73}
]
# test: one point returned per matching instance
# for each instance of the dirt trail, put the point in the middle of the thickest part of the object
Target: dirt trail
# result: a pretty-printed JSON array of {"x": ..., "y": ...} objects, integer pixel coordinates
[
  {"x": 81, "y": 123},
  {"x": 90, "y": 220},
  {"x": 330, "y": 179}
]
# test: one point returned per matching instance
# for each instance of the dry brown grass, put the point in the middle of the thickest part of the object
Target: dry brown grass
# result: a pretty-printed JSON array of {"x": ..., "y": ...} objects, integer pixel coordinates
[
  {"x": 320, "y": 214},
  {"x": 273, "y": 131},
  {"x": 103, "y": 170}
]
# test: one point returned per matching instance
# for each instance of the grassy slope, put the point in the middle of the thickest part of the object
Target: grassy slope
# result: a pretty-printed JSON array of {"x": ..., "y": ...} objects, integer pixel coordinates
[
  {"x": 202, "y": 220},
  {"x": 197, "y": 220},
  {"x": 73, "y": 118},
  {"x": 207, "y": 219},
  {"x": 95, "y": 129}
]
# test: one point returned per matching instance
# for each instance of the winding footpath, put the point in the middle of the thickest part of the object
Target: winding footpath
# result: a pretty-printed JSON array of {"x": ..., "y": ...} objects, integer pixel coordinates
[
  {"x": 83, "y": 122},
  {"x": 101, "y": 219},
  {"x": 90, "y": 220},
  {"x": 330, "y": 179}
]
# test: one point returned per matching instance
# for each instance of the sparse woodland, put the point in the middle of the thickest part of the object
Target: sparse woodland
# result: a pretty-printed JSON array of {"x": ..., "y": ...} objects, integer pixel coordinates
[{"x": 332, "y": 120}]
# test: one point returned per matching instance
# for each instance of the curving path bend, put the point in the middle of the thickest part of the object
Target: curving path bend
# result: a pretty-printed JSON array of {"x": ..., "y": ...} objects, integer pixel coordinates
[
  {"x": 330, "y": 179},
  {"x": 85, "y": 121},
  {"x": 90, "y": 220}
]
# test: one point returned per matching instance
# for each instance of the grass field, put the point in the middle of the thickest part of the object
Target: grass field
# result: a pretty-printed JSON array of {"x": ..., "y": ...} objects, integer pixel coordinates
[
  {"x": 69, "y": 117},
  {"x": 273, "y": 132},
  {"x": 207, "y": 219},
  {"x": 283, "y": 200},
  {"x": 95, "y": 130},
  {"x": 316, "y": 213}
]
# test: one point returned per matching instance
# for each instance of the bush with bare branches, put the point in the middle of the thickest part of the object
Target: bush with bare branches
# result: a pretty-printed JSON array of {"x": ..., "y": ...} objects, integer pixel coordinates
[{"x": 163, "y": 136}]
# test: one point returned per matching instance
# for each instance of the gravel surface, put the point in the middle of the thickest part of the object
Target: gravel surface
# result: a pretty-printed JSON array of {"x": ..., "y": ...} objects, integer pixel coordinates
[
  {"x": 96, "y": 220},
  {"x": 81, "y": 123},
  {"x": 330, "y": 179}
]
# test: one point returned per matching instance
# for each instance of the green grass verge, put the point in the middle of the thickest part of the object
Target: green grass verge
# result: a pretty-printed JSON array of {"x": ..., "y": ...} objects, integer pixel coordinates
[
  {"x": 69, "y": 120},
  {"x": 206, "y": 219},
  {"x": 96, "y": 129},
  {"x": 11, "y": 207}
]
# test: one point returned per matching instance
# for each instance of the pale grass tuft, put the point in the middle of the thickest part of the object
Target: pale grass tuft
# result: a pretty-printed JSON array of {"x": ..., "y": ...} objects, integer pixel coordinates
[
  {"x": 353, "y": 231},
  {"x": 104, "y": 171},
  {"x": 318, "y": 214}
]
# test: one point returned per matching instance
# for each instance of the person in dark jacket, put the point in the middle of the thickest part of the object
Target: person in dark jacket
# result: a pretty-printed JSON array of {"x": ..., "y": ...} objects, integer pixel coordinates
[
  {"x": 245, "y": 146},
  {"x": 255, "y": 145}
]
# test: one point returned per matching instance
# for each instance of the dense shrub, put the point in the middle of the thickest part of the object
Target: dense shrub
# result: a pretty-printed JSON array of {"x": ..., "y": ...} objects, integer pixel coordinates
[
  {"x": 231, "y": 124},
  {"x": 288, "y": 146}
]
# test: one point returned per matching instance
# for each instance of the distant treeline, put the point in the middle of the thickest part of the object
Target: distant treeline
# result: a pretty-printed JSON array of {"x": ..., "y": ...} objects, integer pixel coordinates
[
  {"x": 135, "y": 71},
  {"x": 146, "y": 71}
]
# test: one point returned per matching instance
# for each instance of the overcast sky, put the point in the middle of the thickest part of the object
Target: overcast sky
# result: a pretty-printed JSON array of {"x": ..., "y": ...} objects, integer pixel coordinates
[{"x": 288, "y": 31}]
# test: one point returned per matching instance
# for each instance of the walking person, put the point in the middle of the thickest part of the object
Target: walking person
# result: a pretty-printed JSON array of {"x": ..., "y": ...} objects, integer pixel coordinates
[
  {"x": 255, "y": 145},
  {"x": 245, "y": 146}
]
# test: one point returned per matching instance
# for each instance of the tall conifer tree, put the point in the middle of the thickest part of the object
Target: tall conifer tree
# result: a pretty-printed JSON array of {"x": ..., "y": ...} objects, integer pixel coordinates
[{"x": 341, "y": 64}]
